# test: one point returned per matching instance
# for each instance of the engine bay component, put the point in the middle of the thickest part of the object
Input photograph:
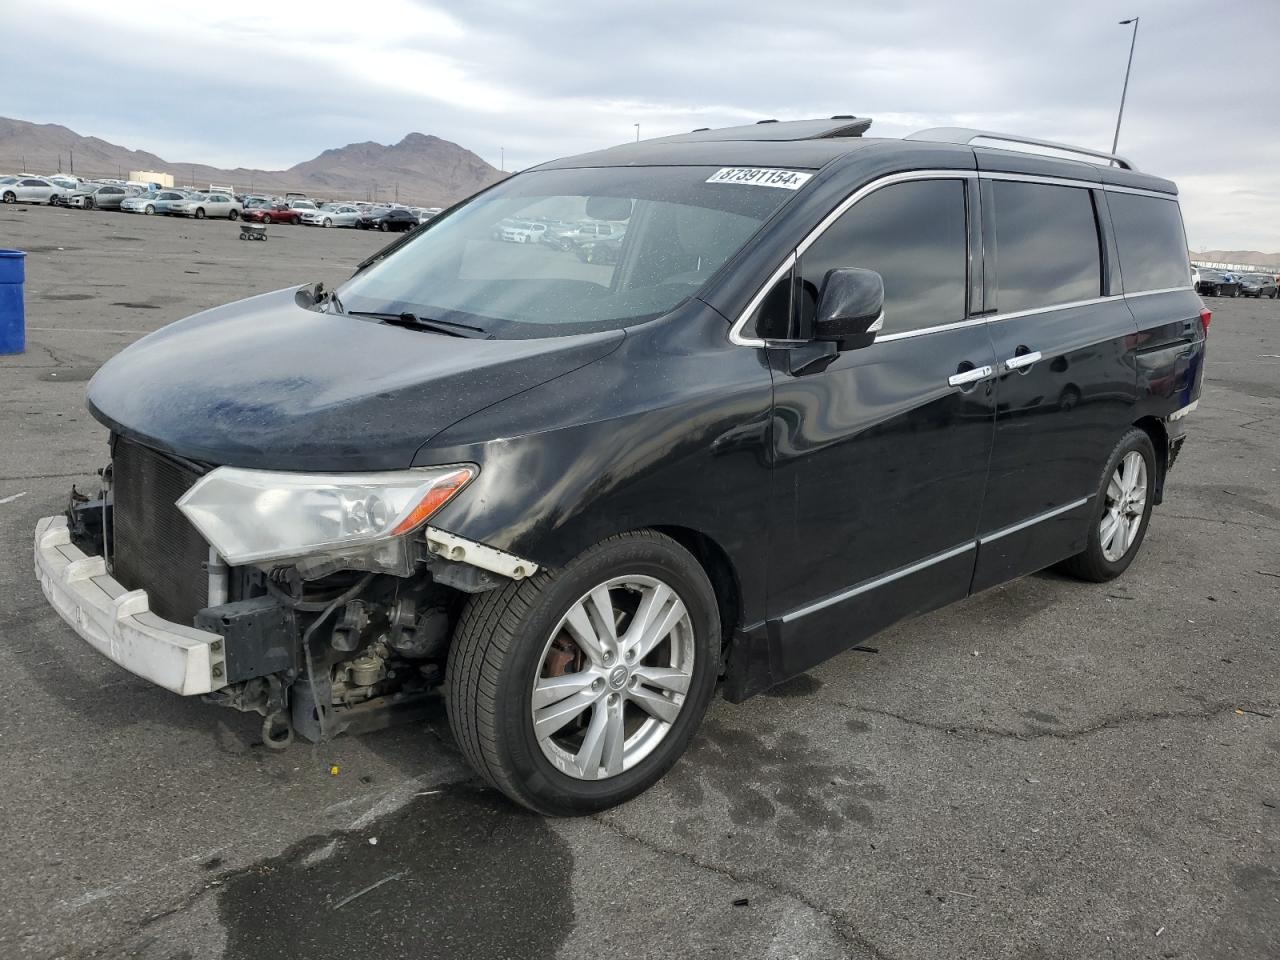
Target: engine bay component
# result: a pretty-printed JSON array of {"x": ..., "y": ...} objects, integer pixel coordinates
[
  {"x": 260, "y": 635},
  {"x": 348, "y": 630},
  {"x": 366, "y": 671}
]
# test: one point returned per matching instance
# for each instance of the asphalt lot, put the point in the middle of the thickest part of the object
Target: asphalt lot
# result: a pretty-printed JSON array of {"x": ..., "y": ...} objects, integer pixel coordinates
[{"x": 1048, "y": 770}]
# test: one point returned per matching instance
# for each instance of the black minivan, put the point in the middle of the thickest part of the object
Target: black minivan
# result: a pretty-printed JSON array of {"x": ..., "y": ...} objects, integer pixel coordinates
[{"x": 825, "y": 383}]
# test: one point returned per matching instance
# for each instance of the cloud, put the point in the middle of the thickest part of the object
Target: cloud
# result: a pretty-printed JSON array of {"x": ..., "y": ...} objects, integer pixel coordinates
[{"x": 247, "y": 82}]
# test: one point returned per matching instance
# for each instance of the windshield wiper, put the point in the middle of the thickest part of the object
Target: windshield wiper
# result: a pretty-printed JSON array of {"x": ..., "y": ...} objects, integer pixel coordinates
[{"x": 415, "y": 322}]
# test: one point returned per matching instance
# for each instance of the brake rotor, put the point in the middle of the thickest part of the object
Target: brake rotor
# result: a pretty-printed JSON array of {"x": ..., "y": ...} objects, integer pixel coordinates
[{"x": 563, "y": 658}]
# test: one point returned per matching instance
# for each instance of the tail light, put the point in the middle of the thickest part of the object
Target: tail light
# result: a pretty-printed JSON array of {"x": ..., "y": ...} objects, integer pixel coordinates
[{"x": 1205, "y": 316}]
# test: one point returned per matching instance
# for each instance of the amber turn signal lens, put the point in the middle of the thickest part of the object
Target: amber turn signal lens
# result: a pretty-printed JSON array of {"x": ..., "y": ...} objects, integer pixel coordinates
[{"x": 439, "y": 494}]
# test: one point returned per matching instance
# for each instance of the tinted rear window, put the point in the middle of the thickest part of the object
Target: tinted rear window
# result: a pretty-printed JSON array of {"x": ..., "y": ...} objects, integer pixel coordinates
[
  {"x": 1047, "y": 245},
  {"x": 1151, "y": 242}
]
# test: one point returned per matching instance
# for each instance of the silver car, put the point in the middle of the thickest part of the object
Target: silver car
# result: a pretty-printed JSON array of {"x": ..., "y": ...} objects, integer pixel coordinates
[
  {"x": 26, "y": 189},
  {"x": 332, "y": 215},
  {"x": 142, "y": 203},
  {"x": 201, "y": 205},
  {"x": 100, "y": 196}
]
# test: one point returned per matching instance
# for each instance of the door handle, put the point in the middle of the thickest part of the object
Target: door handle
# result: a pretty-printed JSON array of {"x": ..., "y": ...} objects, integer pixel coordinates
[
  {"x": 1021, "y": 360},
  {"x": 966, "y": 377}
]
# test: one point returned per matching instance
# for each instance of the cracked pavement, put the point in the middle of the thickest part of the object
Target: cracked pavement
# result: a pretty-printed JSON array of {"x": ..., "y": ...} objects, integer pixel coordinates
[{"x": 1047, "y": 770}]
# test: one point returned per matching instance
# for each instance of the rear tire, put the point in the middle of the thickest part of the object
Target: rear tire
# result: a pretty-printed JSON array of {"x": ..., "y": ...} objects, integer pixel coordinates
[
  {"x": 295, "y": 221},
  {"x": 1121, "y": 511},
  {"x": 233, "y": 215},
  {"x": 524, "y": 634}
]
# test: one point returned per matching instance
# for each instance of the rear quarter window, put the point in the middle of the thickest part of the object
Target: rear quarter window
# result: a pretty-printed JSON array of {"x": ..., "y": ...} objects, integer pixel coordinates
[
  {"x": 1047, "y": 249},
  {"x": 1151, "y": 242}
]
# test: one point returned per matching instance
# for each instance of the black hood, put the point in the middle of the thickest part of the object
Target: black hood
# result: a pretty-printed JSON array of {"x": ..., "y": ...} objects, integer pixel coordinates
[{"x": 270, "y": 384}]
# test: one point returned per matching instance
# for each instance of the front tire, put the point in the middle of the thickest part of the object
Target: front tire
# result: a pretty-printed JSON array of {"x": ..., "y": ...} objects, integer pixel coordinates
[
  {"x": 328, "y": 222},
  {"x": 578, "y": 688},
  {"x": 1121, "y": 512},
  {"x": 199, "y": 213},
  {"x": 150, "y": 211}
]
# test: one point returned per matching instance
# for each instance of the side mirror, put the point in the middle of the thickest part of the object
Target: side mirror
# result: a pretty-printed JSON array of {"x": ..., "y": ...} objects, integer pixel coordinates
[{"x": 850, "y": 308}]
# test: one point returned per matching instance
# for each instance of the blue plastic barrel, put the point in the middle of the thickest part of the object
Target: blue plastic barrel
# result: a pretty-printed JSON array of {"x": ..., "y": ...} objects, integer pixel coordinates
[{"x": 13, "y": 325}]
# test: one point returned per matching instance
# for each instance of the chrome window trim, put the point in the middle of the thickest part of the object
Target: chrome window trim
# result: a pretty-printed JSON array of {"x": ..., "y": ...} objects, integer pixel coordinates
[
  {"x": 737, "y": 337},
  {"x": 878, "y": 582},
  {"x": 1190, "y": 288},
  {"x": 1032, "y": 521},
  {"x": 921, "y": 331},
  {"x": 1032, "y": 311},
  {"x": 1071, "y": 182},
  {"x": 862, "y": 192},
  {"x": 735, "y": 332}
]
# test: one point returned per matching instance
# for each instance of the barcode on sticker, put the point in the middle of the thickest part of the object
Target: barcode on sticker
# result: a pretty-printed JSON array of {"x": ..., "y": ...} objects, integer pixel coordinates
[{"x": 760, "y": 177}]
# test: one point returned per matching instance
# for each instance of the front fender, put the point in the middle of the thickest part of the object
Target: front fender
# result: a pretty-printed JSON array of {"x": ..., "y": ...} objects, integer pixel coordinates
[{"x": 672, "y": 429}]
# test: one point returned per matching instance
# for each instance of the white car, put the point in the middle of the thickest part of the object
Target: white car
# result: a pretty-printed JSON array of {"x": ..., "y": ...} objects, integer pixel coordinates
[
  {"x": 32, "y": 190},
  {"x": 523, "y": 231},
  {"x": 201, "y": 205},
  {"x": 68, "y": 185},
  {"x": 332, "y": 215}
]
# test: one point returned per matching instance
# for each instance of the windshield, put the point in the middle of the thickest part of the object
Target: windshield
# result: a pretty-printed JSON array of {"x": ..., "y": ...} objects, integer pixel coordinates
[{"x": 676, "y": 230}]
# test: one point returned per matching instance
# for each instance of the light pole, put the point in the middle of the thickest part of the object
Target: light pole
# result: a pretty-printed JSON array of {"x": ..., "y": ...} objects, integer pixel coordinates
[
  {"x": 637, "y": 126},
  {"x": 1125, "y": 90}
]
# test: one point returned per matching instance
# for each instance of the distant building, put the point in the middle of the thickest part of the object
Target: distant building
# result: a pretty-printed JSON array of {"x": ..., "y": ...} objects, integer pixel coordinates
[{"x": 152, "y": 176}]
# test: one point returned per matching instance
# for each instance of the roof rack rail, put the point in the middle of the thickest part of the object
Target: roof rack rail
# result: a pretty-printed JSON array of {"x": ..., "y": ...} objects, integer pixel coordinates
[{"x": 968, "y": 135}]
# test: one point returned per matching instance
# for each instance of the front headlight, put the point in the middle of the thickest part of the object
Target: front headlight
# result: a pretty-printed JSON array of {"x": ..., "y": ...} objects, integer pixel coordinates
[{"x": 255, "y": 515}]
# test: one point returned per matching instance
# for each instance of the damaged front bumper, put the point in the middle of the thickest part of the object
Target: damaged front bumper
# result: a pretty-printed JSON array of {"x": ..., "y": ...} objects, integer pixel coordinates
[{"x": 118, "y": 622}]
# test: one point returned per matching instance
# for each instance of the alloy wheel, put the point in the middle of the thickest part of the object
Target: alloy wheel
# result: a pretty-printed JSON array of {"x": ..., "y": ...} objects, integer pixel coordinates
[
  {"x": 613, "y": 677},
  {"x": 1126, "y": 504}
]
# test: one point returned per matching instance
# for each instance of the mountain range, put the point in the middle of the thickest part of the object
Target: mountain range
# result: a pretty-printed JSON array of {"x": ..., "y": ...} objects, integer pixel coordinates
[
  {"x": 1237, "y": 256},
  {"x": 419, "y": 169}
]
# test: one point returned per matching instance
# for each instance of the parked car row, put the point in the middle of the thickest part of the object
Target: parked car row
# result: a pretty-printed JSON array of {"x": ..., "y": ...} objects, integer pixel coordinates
[
  {"x": 593, "y": 241},
  {"x": 1225, "y": 283},
  {"x": 218, "y": 201}
]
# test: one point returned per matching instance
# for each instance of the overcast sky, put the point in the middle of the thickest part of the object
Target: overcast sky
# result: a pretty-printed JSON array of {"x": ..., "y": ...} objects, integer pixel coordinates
[{"x": 269, "y": 83}]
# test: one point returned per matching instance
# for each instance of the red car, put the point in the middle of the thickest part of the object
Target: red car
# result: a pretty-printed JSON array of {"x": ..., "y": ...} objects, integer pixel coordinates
[{"x": 272, "y": 213}]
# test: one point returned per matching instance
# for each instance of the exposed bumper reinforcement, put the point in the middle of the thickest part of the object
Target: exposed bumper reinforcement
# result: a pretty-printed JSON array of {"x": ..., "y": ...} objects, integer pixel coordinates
[
  {"x": 450, "y": 546},
  {"x": 118, "y": 623}
]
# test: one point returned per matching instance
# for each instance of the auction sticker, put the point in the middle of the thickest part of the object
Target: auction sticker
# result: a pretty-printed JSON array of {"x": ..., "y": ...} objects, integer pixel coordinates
[{"x": 759, "y": 177}]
